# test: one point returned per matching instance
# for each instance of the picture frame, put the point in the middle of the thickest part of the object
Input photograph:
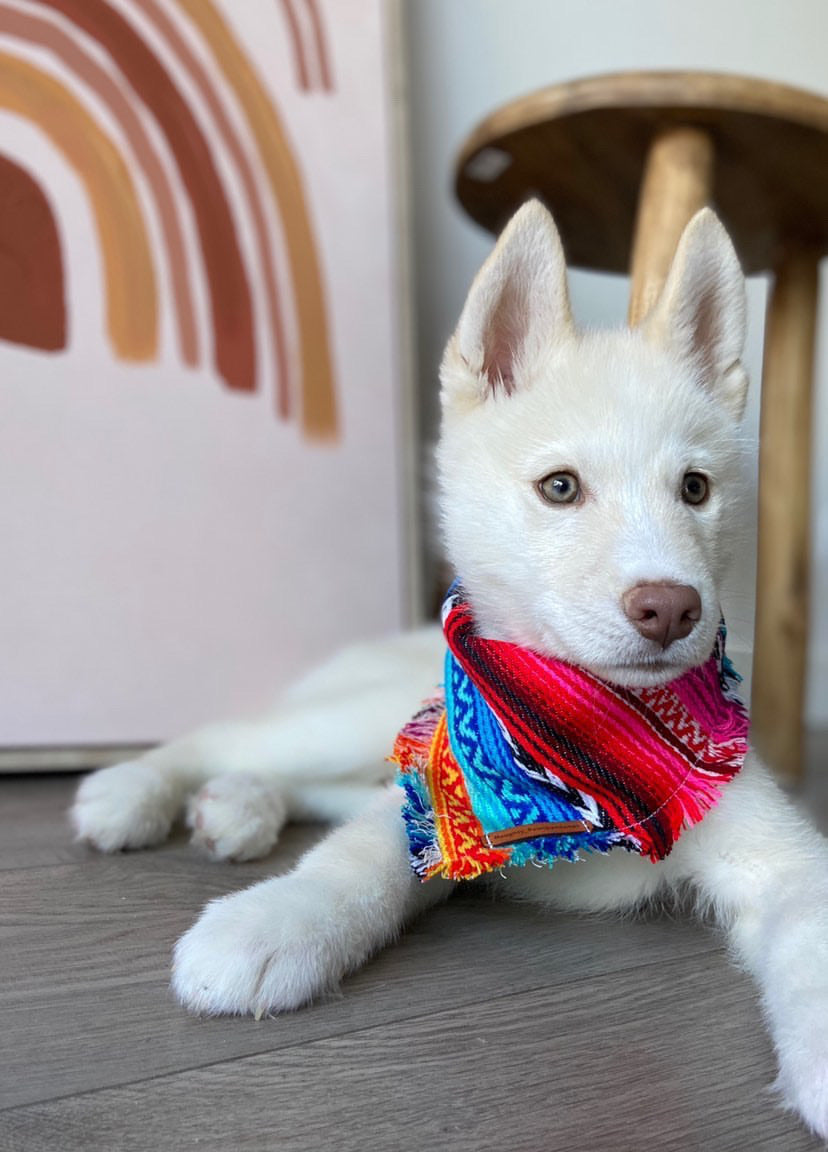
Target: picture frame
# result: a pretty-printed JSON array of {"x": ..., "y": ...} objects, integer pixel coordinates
[{"x": 210, "y": 463}]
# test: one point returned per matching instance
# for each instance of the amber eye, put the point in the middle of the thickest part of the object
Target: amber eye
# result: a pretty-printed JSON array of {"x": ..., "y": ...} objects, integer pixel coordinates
[
  {"x": 560, "y": 488},
  {"x": 694, "y": 488}
]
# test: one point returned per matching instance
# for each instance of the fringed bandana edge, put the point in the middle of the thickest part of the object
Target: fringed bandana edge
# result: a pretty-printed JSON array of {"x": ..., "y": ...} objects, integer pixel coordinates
[{"x": 521, "y": 758}]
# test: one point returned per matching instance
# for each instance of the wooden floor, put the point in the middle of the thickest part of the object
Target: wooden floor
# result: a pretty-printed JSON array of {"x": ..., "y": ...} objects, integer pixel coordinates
[{"x": 487, "y": 1027}]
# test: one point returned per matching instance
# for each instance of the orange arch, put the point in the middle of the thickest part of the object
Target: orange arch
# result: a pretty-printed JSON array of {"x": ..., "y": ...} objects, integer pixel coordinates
[
  {"x": 45, "y": 34},
  {"x": 131, "y": 295},
  {"x": 319, "y": 410}
]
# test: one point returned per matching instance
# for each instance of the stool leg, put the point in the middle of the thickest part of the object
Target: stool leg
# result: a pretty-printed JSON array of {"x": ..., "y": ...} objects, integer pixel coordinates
[
  {"x": 783, "y": 565},
  {"x": 676, "y": 184}
]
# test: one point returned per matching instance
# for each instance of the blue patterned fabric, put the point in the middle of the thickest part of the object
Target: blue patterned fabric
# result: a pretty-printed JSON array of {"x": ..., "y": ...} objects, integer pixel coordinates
[
  {"x": 523, "y": 757},
  {"x": 503, "y": 791}
]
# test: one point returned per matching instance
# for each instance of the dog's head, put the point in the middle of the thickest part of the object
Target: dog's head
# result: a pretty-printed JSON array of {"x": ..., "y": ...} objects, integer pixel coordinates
[{"x": 589, "y": 480}]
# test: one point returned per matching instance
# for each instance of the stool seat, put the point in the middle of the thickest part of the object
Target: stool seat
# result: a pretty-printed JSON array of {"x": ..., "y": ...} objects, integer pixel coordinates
[{"x": 582, "y": 148}]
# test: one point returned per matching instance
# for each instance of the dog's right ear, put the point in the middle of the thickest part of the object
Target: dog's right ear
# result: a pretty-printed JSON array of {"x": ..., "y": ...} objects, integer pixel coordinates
[
  {"x": 518, "y": 303},
  {"x": 700, "y": 313}
]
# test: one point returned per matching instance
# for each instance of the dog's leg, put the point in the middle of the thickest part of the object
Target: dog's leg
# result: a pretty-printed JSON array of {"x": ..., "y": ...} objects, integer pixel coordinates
[
  {"x": 763, "y": 870},
  {"x": 320, "y": 755},
  {"x": 134, "y": 804},
  {"x": 278, "y": 944}
]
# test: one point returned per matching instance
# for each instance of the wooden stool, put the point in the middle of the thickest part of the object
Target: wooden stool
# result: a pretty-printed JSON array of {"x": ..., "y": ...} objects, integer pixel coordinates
[{"x": 623, "y": 162}]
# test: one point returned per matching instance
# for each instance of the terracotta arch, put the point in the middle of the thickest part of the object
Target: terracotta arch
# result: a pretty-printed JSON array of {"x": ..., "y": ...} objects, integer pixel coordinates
[
  {"x": 230, "y": 301},
  {"x": 32, "y": 304},
  {"x": 131, "y": 297},
  {"x": 206, "y": 86}
]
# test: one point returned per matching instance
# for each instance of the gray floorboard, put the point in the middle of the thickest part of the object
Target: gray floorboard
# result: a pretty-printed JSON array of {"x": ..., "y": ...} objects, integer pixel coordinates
[
  {"x": 487, "y": 1025},
  {"x": 598, "y": 1062}
]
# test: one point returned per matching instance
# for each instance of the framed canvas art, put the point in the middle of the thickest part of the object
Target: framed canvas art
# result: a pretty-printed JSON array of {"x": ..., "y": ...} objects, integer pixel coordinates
[{"x": 201, "y": 387}]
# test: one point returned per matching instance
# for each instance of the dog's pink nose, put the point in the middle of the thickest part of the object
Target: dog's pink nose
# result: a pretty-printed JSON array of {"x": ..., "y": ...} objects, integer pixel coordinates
[{"x": 663, "y": 612}]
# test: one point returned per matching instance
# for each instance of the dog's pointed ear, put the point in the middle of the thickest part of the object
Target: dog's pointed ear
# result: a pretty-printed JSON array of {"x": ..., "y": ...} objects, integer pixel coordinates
[
  {"x": 700, "y": 313},
  {"x": 518, "y": 303}
]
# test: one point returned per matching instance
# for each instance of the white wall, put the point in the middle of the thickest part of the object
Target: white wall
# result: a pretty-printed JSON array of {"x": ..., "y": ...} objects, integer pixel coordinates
[{"x": 466, "y": 57}]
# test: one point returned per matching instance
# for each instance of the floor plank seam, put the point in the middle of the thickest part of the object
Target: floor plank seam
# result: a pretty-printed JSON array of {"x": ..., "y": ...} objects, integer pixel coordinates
[{"x": 339, "y": 1034}]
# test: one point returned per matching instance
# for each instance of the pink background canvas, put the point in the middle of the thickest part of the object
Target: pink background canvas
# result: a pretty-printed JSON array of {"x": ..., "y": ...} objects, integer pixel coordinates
[{"x": 171, "y": 551}]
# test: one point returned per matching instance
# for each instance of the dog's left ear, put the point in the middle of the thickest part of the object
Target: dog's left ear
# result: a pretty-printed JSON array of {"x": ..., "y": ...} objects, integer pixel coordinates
[
  {"x": 700, "y": 314},
  {"x": 517, "y": 306}
]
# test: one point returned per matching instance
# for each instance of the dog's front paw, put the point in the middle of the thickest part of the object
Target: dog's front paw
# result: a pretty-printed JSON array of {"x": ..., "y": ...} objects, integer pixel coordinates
[
  {"x": 270, "y": 948},
  {"x": 803, "y": 1064},
  {"x": 129, "y": 805},
  {"x": 236, "y": 817}
]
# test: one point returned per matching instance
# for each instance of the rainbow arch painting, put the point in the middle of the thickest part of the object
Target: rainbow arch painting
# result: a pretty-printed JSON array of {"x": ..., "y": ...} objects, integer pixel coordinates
[{"x": 143, "y": 62}]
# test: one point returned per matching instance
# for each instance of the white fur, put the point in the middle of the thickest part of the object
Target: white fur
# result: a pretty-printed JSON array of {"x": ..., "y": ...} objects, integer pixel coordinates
[
  {"x": 524, "y": 395},
  {"x": 278, "y": 944}
]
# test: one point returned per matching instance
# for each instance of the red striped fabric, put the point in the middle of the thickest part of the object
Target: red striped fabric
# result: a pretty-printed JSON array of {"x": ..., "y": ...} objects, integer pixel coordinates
[{"x": 654, "y": 759}]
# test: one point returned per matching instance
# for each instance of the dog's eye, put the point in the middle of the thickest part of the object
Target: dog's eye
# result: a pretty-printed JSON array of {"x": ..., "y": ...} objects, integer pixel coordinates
[
  {"x": 694, "y": 488},
  {"x": 560, "y": 488}
]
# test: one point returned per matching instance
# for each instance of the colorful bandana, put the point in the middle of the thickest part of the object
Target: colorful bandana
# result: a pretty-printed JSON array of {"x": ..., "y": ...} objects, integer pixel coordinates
[{"x": 523, "y": 758}]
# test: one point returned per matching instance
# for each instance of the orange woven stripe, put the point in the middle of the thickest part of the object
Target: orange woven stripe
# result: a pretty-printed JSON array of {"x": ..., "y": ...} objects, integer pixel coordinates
[{"x": 459, "y": 832}]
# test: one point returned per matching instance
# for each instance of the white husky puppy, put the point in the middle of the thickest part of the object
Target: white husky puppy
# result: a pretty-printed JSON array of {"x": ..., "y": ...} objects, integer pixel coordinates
[{"x": 638, "y": 431}]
